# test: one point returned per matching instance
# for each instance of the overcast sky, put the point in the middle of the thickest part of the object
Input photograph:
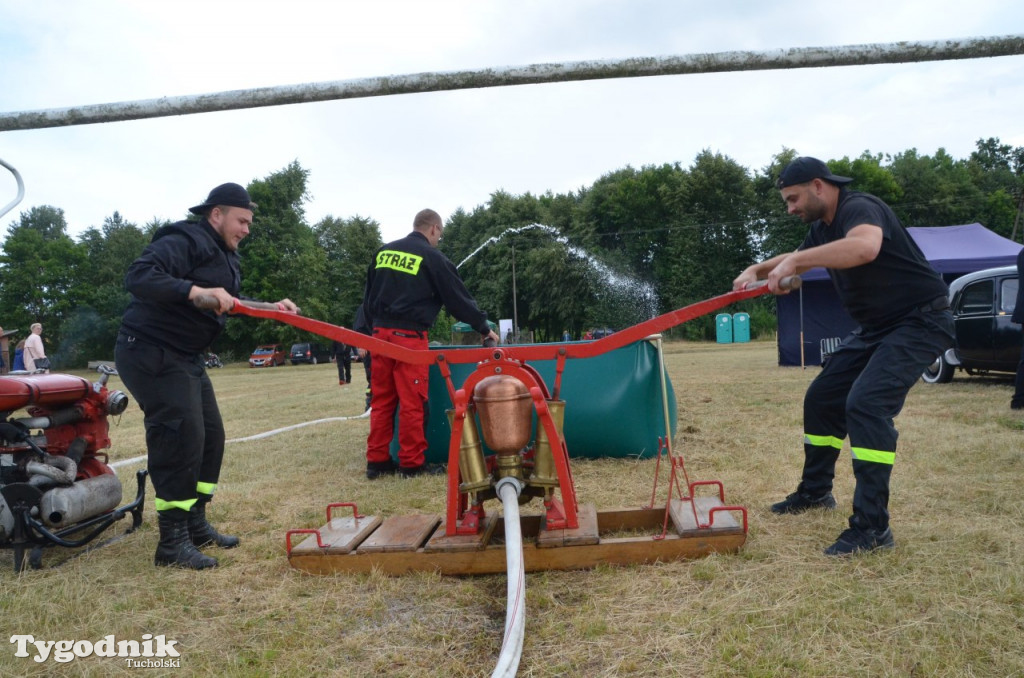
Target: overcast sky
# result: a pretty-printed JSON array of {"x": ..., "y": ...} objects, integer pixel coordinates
[{"x": 388, "y": 157}]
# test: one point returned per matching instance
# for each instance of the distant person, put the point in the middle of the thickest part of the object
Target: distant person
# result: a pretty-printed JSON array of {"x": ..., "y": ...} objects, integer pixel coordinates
[
  {"x": 364, "y": 355},
  {"x": 566, "y": 336},
  {"x": 406, "y": 284},
  {"x": 902, "y": 306},
  {"x": 160, "y": 352},
  {"x": 18, "y": 364},
  {"x": 342, "y": 355},
  {"x": 1017, "y": 401},
  {"x": 34, "y": 354},
  {"x": 508, "y": 337}
]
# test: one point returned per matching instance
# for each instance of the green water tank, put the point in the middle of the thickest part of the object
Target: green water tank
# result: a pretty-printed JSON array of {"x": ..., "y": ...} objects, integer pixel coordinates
[
  {"x": 723, "y": 328},
  {"x": 740, "y": 327},
  {"x": 613, "y": 405}
]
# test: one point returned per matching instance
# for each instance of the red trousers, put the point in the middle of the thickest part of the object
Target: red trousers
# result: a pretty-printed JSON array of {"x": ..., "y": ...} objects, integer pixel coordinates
[{"x": 398, "y": 385}]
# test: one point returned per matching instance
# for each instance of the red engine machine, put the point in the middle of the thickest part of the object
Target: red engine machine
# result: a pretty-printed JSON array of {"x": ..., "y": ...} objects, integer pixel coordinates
[{"x": 56, "y": 488}]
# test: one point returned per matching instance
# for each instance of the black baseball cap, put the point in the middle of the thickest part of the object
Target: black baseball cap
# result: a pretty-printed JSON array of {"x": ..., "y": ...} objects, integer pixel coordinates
[
  {"x": 805, "y": 169},
  {"x": 229, "y": 195}
]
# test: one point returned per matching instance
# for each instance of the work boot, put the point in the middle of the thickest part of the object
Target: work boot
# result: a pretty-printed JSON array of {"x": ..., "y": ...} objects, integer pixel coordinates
[
  {"x": 202, "y": 532},
  {"x": 424, "y": 470},
  {"x": 857, "y": 540},
  {"x": 379, "y": 469},
  {"x": 801, "y": 501},
  {"x": 175, "y": 548}
]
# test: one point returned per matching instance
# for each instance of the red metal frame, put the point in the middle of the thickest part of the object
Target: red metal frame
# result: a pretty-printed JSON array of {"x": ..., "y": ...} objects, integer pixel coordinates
[{"x": 511, "y": 360}]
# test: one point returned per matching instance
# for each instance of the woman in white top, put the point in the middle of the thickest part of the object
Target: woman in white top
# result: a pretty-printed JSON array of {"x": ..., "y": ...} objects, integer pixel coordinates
[{"x": 34, "y": 348}]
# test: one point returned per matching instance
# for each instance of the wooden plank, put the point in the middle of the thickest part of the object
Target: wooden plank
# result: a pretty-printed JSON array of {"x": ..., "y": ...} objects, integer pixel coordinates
[
  {"x": 586, "y": 533},
  {"x": 683, "y": 519},
  {"x": 341, "y": 536},
  {"x": 491, "y": 559},
  {"x": 400, "y": 533},
  {"x": 441, "y": 542}
]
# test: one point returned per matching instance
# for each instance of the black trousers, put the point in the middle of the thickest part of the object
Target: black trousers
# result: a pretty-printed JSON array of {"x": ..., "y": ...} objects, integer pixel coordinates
[
  {"x": 860, "y": 390},
  {"x": 184, "y": 430},
  {"x": 344, "y": 367},
  {"x": 1018, "y": 388}
]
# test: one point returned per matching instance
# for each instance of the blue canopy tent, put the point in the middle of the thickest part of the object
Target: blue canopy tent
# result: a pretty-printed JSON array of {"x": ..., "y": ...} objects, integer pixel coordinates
[{"x": 951, "y": 250}]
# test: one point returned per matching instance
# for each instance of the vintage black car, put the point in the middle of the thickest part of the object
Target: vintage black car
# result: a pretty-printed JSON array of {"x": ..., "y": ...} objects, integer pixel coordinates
[{"x": 986, "y": 341}]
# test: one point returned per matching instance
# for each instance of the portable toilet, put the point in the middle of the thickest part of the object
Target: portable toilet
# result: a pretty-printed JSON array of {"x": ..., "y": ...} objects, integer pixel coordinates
[
  {"x": 741, "y": 327},
  {"x": 723, "y": 328}
]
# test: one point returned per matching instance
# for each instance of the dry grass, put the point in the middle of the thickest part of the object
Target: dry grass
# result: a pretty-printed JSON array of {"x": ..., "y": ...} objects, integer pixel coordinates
[{"x": 947, "y": 601}]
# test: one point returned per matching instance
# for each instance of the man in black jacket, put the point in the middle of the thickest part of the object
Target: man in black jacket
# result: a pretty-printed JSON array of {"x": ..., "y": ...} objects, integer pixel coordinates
[
  {"x": 159, "y": 356},
  {"x": 406, "y": 284}
]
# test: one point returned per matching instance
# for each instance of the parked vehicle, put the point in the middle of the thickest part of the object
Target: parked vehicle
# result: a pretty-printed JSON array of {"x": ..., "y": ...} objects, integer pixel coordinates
[
  {"x": 211, "y": 360},
  {"x": 986, "y": 341},
  {"x": 268, "y": 355},
  {"x": 309, "y": 352}
]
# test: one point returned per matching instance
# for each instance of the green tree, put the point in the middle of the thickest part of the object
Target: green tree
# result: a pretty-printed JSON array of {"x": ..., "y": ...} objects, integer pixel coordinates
[
  {"x": 38, "y": 268},
  {"x": 713, "y": 236},
  {"x": 937, "y": 191},
  {"x": 997, "y": 169},
  {"x": 280, "y": 259},
  {"x": 90, "y": 330},
  {"x": 349, "y": 246}
]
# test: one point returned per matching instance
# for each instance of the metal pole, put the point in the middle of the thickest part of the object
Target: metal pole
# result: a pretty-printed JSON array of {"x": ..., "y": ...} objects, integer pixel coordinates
[
  {"x": 515, "y": 307},
  {"x": 533, "y": 74},
  {"x": 802, "y": 365}
]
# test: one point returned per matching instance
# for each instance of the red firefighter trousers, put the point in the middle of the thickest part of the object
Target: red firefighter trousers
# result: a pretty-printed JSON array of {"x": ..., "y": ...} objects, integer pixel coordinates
[{"x": 401, "y": 386}]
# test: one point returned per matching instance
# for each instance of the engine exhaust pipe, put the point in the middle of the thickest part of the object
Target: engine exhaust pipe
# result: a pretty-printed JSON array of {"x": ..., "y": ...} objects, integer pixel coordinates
[{"x": 87, "y": 498}]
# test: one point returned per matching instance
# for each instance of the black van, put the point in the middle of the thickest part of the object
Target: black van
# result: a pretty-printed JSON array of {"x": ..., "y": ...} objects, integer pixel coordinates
[
  {"x": 309, "y": 352},
  {"x": 986, "y": 340}
]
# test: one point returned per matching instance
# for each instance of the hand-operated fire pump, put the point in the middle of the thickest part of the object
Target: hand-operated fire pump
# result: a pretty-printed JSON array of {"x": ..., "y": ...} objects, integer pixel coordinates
[{"x": 56, "y": 488}]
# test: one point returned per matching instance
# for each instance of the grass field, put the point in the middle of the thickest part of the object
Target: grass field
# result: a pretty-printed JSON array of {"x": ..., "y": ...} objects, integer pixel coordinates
[{"x": 948, "y": 601}]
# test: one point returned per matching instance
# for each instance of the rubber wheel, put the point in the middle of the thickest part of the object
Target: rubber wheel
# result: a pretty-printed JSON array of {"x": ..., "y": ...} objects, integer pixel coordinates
[{"x": 939, "y": 372}]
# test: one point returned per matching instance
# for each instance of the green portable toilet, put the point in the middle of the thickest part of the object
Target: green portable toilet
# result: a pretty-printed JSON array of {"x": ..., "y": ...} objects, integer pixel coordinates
[
  {"x": 723, "y": 328},
  {"x": 741, "y": 327}
]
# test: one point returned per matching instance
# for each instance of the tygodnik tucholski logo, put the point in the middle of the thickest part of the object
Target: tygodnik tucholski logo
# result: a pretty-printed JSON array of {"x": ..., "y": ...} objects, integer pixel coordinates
[{"x": 152, "y": 651}]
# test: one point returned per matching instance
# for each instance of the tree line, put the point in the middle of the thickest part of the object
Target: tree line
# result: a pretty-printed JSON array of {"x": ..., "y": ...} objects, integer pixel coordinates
[{"x": 635, "y": 243}]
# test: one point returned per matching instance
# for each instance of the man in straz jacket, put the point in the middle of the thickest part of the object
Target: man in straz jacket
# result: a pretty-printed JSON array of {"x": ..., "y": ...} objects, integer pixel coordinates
[{"x": 407, "y": 283}]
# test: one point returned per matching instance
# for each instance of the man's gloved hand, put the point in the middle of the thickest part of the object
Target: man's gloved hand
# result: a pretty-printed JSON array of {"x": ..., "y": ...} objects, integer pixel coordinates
[{"x": 13, "y": 431}]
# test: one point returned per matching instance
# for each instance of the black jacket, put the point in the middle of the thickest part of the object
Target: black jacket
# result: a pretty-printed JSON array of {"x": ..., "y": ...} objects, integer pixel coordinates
[
  {"x": 179, "y": 256},
  {"x": 407, "y": 283}
]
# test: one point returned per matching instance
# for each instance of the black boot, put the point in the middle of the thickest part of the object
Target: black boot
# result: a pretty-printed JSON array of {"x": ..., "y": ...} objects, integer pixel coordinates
[
  {"x": 202, "y": 532},
  {"x": 175, "y": 547}
]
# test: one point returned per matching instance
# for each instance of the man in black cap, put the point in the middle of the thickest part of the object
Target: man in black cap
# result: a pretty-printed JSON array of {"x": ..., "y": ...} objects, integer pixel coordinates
[
  {"x": 159, "y": 352},
  {"x": 901, "y": 305}
]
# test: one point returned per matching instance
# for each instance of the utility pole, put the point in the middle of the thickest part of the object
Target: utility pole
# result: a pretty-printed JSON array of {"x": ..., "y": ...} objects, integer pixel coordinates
[{"x": 515, "y": 310}]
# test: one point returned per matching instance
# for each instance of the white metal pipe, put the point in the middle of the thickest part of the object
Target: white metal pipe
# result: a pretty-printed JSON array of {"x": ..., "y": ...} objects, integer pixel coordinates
[
  {"x": 532, "y": 74},
  {"x": 508, "y": 490},
  {"x": 21, "y": 189}
]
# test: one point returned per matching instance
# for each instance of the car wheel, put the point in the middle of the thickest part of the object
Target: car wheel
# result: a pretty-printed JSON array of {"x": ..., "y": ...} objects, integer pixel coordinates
[{"x": 939, "y": 372}]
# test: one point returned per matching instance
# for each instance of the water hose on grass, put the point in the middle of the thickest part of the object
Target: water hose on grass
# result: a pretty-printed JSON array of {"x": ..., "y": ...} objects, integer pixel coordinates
[{"x": 508, "y": 490}]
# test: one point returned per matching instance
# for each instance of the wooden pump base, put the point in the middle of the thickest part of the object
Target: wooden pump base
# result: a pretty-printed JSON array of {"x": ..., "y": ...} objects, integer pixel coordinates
[{"x": 416, "y": 543}]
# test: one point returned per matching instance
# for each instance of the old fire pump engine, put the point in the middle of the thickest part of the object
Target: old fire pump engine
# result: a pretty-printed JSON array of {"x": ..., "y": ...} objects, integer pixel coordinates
[{"x": 56, "y": 488}]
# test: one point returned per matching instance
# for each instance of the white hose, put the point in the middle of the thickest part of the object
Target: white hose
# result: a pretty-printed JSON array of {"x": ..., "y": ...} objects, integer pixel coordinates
[
  {"x": 508, "y": 490},
  {"x": 267, "y": 434}
]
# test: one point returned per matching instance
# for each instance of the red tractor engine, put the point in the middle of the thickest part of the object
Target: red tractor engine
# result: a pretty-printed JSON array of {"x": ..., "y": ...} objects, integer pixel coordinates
[{"x": 57, "y": 483}]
